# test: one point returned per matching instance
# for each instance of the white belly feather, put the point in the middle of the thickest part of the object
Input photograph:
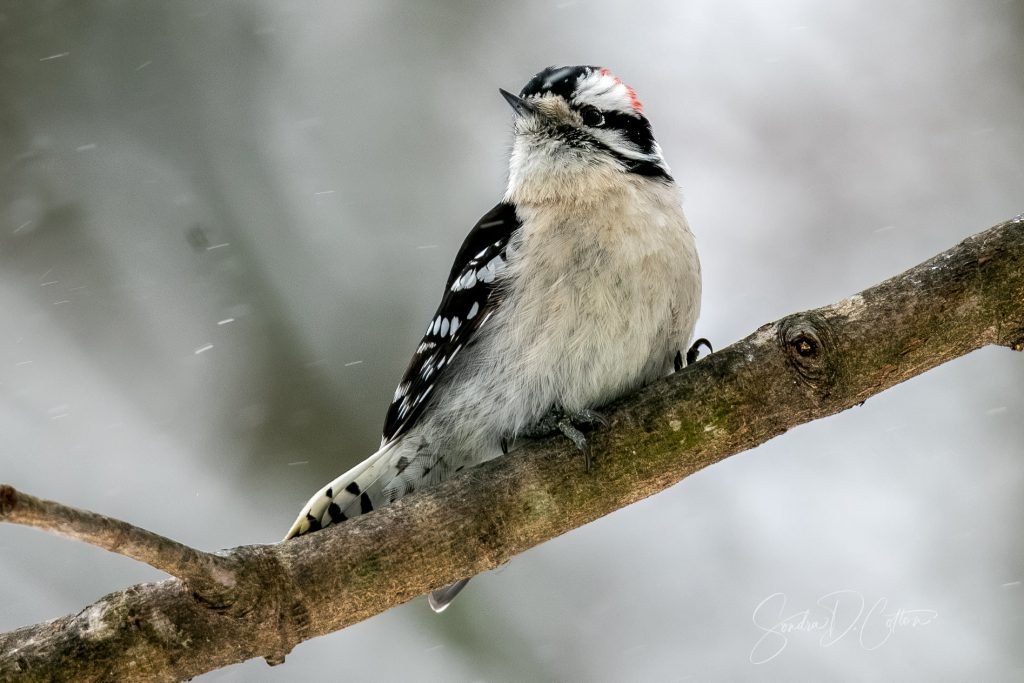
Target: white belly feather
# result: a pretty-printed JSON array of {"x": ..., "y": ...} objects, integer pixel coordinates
[{"x": 594, "y": 306}]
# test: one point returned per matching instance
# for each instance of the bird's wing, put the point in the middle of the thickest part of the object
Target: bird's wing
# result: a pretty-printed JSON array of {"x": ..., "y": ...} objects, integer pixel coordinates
[{"x": 468, "y": 301}]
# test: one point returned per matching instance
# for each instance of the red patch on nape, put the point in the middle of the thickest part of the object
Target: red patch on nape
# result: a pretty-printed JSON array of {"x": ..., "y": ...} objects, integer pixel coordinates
[{"x": 637, "y": 106}]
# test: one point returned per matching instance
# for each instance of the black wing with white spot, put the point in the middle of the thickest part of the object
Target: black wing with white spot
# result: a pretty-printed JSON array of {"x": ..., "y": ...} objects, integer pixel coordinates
[{"x": 469, "y": 300}]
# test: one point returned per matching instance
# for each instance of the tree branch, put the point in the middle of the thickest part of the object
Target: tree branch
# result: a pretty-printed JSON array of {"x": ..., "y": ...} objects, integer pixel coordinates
[
  {"x": 797, "y": 369},
  {"x": 209, "y": 576}
]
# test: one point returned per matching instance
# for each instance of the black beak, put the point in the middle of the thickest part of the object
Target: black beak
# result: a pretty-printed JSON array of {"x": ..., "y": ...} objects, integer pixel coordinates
[{"x": 518, "y": 104}]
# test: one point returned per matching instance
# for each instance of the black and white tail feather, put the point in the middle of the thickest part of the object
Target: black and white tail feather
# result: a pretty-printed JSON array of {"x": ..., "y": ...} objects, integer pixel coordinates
[{"x": 581, "y": 285}]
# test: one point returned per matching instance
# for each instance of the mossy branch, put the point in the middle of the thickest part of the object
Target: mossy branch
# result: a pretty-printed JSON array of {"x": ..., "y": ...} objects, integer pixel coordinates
[{"x": 789, "y": 372}]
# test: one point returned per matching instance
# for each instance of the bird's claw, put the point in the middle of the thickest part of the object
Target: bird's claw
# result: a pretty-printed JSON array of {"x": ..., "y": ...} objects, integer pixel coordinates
[
  {"x": 694, "y": 351},
  {"x": 568, "y": 422}
]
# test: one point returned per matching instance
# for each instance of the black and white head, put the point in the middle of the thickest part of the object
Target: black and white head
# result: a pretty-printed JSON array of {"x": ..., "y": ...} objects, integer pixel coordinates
[{"x": 577, "y": 124}]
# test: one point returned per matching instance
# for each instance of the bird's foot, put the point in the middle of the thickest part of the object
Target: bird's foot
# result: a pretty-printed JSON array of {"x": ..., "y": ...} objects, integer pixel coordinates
[
  {"x": 569, "y": 423},
  {"x": 692, "y": 354}
]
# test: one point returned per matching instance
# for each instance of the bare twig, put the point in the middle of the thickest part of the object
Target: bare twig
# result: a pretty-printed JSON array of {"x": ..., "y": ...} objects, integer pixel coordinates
[
  {"x": 800, "y": 368},
  {"x": 209, "y": 576}
]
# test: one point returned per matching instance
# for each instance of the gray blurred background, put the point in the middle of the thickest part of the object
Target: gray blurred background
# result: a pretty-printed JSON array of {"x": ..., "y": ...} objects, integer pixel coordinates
[{"x": 223, "y": 226}]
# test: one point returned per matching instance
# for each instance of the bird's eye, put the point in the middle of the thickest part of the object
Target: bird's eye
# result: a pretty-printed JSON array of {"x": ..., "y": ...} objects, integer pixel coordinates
[{"x": 592, "y": 116}]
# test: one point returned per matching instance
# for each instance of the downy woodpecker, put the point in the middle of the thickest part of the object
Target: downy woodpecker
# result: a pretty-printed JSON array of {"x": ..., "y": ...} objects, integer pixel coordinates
[{"x": 581, "y": 285}]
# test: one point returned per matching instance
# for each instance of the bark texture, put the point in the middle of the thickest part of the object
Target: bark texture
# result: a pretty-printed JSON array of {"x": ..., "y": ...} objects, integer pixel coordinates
[{"x": 800, "y": 368}]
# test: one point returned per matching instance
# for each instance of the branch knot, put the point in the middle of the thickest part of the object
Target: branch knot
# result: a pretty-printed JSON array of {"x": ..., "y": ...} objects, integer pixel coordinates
[{"x": 809, "y": 343}]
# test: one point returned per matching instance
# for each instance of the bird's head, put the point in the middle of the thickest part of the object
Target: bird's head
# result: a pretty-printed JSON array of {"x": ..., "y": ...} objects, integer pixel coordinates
[{"x": 577, "y": 127}]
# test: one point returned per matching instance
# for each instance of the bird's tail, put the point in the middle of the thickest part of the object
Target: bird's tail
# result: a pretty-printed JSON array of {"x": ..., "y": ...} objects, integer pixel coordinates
[
  {"x": 350, "y": 495},
  {"x": 383, "y": 477}
]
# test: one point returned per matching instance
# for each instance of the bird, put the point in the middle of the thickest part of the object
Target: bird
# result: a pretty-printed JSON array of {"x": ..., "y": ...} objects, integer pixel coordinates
[{"x": 581, "y": 285}]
